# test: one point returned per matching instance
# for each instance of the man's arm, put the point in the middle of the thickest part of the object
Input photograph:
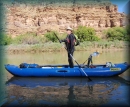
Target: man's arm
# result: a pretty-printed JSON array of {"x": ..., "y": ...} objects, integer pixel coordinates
[{"x": 64, "y": 40}]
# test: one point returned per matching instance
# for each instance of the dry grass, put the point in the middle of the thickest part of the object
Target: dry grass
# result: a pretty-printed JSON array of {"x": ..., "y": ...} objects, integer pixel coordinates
[{"x": 53, "y": 47}]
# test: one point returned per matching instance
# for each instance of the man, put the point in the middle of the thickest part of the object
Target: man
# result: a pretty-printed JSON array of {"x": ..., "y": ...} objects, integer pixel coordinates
[
  {"x": 90, "y": 57},
  {"x": 70, "y": 45}
]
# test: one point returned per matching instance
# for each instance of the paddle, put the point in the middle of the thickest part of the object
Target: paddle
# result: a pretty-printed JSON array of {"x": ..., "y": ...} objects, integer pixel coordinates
[{"x": 74, "y": 59}]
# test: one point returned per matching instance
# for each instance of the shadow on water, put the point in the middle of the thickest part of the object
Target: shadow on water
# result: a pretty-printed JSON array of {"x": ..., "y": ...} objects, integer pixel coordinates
[{"x": 56, "y": 91}]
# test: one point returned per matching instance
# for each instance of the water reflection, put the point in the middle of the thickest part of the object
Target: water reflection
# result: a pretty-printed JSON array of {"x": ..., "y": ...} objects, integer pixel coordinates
[{"x": 65, "y": 91}]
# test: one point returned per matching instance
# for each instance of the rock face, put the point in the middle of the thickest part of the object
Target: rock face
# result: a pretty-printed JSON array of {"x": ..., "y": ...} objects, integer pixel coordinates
[{"x": 23, "y": 18}]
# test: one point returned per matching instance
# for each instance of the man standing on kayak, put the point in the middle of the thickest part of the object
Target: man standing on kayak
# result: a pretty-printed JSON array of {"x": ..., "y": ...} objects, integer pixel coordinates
[{"x": 70, "y": 45}]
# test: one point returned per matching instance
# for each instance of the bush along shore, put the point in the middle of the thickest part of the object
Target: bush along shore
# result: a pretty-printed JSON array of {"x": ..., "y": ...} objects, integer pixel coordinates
[{"x": 116, "y": 38}]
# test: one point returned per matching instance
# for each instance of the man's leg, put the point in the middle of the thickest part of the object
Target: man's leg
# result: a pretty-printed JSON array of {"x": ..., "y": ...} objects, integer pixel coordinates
[{"x": 70, "y": 60}]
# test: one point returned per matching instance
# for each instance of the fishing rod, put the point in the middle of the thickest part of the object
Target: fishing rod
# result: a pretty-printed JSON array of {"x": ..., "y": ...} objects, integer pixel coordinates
[{"x": 74, "y": 60}]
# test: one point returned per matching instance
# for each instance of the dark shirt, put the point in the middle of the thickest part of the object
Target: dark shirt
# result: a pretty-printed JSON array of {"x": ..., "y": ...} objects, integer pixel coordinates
[{"x": 69, "y": 42}]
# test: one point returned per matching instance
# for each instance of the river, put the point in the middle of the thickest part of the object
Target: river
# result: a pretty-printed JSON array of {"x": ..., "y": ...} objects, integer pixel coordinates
[{"x": 57, "y": 91}]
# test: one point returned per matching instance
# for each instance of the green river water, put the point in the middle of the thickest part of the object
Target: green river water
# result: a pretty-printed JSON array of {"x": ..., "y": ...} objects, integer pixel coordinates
[{"x": 55, "y": 91}]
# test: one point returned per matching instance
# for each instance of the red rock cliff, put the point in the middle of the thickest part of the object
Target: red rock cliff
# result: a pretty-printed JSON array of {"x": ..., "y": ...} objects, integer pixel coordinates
[{"x": 23, "y": 18}]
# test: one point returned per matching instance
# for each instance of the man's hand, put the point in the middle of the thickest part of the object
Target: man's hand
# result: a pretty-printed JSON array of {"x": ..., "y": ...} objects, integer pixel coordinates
[{"x": 61, "y": 41}]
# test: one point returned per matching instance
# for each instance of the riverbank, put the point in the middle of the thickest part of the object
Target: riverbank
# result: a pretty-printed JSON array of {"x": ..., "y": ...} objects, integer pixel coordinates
[{"x": 55, "y": 47}]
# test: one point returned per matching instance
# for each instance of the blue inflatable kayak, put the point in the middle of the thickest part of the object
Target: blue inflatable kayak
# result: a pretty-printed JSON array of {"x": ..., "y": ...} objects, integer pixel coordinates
[{"x": 34, "y": 70}]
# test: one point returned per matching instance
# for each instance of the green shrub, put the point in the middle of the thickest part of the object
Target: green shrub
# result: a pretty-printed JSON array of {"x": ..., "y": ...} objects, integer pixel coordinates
[
  {"x": 5, "y": 40},
  {"x": 51, "y": 36},
  {"x": 86, "y": 34},
  {"x": 127, "y": 38},
  {"x": 128, "y": 29},
  {"x": 116, "y": 33}
]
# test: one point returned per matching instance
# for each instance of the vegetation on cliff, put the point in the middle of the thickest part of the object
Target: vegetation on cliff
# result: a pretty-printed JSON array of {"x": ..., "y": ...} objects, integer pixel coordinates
[
  {"x": 118, "y": 33},
  {"x": 86, "y": 34},
  {"x": 116, "y": 38},
  {"x": 83, "y": 33}
]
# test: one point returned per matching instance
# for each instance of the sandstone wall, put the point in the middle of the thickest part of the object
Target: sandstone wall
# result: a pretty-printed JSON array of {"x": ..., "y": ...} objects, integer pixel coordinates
[{"x": 39, "y": 19}]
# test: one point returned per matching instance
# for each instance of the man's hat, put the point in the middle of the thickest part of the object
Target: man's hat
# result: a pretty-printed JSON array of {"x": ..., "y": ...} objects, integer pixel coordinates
[{"x": 69, "y": 28}]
